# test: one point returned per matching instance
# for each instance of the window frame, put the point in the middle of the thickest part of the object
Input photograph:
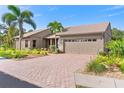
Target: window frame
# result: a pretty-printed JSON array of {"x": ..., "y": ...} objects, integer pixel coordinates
[{"x": 26, "y": 43}]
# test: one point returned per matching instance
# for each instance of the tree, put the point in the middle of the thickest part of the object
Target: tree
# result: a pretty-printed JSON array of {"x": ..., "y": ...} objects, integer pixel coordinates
[
  {"x": 54, "y": 28},
  {"x": 2, "y": 31},
  {"x": 117, "y": 34},
  {"x": 7, "y": 34},
  {"x": 1, "y": 39},
  {"x": 18, "y": 17}
]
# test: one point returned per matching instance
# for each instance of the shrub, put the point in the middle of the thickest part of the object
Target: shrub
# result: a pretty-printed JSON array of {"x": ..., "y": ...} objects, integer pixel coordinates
[
  {"x": 109, "y": 62},
  {"x": 39, "y": 52},
  {"x": 43, "y": 52},
  {"x": 2, "y": 49},
  {"x": 56, "y": 51},
  {"x": 102, "y": 59},
  {"x": 27, "y": 51},
  {"x": 52, "y": 48},
  {"x": 5, "y": 54},
  {"x": 116, "y": 47},
  {"x": 19, "y": 54},
  {"x": 102, "y": 53},
  {"x": 96, "y": 67},
  {"x": 35, "y": 51},
  {"x": 10, "y": 53},
  {"x": 122, "y": 67},
  {"x": 5, "y": 46}
]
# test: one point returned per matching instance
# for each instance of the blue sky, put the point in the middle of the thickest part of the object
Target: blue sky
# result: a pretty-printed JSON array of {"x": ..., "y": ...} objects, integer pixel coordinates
[{"x": 74, "y": 15}]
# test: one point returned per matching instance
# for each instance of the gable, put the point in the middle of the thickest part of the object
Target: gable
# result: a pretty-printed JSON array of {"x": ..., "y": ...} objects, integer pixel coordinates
[{"x": 85, "y": 29}]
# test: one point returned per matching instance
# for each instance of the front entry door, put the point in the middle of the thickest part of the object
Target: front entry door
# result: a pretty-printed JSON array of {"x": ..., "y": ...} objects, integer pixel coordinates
[{"x": 34, "y": 44}]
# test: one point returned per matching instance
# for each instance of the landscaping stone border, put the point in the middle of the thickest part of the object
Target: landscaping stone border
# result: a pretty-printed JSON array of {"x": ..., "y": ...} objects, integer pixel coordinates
[{"x": 93, "y": 81}]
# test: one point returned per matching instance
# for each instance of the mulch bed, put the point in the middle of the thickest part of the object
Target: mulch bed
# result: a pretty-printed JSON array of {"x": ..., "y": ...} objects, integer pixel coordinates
[{"x": 111, "y": 74}]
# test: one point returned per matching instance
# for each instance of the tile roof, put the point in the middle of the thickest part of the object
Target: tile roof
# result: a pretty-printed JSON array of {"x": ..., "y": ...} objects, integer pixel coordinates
[
  {"x": 32, "y": 33},
  {"x": 72, "y": 30},
  {"x": 85, "y": 29}
]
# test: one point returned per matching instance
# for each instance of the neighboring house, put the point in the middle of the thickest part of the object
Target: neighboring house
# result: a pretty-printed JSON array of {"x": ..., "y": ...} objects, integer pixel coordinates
[{"x": 88, "y": 39}]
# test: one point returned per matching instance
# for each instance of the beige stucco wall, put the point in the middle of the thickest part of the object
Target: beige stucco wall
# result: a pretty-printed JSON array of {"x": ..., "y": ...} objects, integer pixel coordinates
[
  {"x": 17, "y": 43},
  {"x": 23, "y": 43},
  {"x": 38, "y": 37}
]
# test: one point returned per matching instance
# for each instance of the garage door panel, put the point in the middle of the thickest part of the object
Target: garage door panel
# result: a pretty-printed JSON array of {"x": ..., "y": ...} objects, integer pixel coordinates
[{"x": 82, "y": 47}]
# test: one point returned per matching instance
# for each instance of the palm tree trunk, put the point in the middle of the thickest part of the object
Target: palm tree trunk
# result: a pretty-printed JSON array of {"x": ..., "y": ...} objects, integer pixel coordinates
[
  {"x": 55, "y": 41},
  {"x": 20, "y": 35},
  {"x": 20, "y": 43}
]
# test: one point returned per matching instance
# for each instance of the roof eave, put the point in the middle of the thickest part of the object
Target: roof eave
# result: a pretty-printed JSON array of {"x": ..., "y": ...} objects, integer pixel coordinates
[{"x": 61, "y": 34}]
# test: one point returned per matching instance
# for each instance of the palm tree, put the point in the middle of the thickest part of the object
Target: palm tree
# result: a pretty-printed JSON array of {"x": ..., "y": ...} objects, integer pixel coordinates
[
  {"x": 54, "y": 28},
  {"x": 1, "y": 39},
  {"x": 18, "y": 17},
  {"x": 7, "y": 34},
  {"x": 2, "y": 33}
]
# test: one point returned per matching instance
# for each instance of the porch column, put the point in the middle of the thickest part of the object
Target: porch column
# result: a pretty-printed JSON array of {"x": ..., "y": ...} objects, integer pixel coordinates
[{"x": 50, "y": 41}]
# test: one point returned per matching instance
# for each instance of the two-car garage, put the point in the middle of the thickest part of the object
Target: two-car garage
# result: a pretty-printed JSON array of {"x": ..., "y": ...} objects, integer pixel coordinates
[
  {"x": 83, "y": 46},
  {"x": 85, "y": 39}
]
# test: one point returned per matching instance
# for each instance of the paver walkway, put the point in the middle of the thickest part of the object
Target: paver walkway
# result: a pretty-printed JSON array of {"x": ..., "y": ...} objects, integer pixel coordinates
[{"x": 49, "y": 71}]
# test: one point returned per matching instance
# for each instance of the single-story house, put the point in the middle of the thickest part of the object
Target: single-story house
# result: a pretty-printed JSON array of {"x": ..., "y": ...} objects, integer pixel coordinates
[{"x": 88, "y": 39}]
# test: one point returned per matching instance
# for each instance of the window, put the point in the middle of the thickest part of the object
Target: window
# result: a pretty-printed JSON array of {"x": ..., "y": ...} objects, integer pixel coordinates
[
  {"x": 81, "y": 40},
  {"x": 66, "y": 40},
  {"x": 94, "y": 40},
  {"x": 34, "y": 43},
  {"x": 89, "y": 40},
  {"x": 72, "y": 40},
  {"x": 26, "y": 43},
  {"x": 85, "y": 40}
]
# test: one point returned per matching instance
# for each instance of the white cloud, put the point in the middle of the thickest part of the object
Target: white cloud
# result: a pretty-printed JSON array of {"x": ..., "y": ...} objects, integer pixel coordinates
[
  {"x": 115, "y": 7},
  {"x": 52, "y": 8},
  {"x": 25, "y": 7},
  {"x": 113, "y": 14},
  {"x": 38, "y": 15}
]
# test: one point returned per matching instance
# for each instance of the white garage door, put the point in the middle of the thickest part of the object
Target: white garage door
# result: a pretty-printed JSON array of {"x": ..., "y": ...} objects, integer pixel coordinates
[{"x": 90, "y": 46}]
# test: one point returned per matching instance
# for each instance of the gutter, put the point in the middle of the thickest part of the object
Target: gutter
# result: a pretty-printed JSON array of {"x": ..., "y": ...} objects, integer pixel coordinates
[{"x": 78, "y": 34}]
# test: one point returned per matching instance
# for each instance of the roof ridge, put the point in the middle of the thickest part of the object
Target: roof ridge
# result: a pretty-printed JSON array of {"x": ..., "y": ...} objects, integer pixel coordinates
[{"x": 89, "y": 24}]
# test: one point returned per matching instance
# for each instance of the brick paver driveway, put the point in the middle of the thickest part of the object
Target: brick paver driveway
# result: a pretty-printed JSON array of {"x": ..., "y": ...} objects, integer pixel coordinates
[{"x": 49, "y": 71}]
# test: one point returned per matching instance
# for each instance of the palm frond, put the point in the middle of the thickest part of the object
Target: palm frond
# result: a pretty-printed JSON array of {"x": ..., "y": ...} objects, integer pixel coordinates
[
  {"x": 14, "y": 9},
  {"x": 30, "y": 22},
  {"x": 27, "y": 13},
  {"x": 8, "y": 18},
  {"x": 55, "y": 27}
]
